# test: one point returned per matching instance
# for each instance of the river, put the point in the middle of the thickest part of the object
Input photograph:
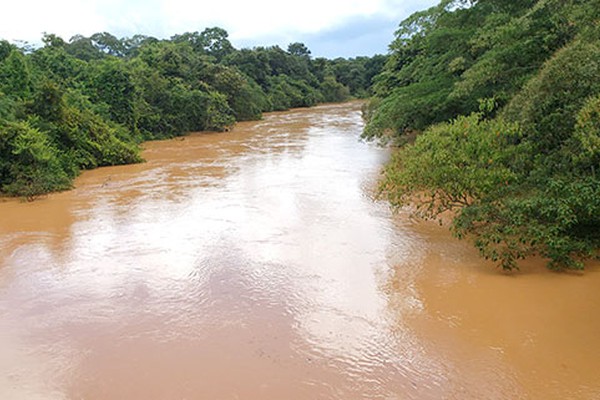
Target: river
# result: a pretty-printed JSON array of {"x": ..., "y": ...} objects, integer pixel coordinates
[{"x": 255, "y": 264}]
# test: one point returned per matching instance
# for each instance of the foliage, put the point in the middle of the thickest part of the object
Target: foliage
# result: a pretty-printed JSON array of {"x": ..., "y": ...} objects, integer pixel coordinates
[
  {"x": 29, "y": 165},
  {"x": 453, "y": 165},
  {"x": 511, "y": 141},
  {"x": 89, "y": 101},
  {"x": 548, "y": 105},
  {"x": 15, "y": 76},
  {"x": 334, "y": 91}
]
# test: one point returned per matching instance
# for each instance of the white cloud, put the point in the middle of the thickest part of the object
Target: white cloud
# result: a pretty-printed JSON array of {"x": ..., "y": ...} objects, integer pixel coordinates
[
  {"x": 27, "y": 19},
  {"x": 261, "y": 17}
]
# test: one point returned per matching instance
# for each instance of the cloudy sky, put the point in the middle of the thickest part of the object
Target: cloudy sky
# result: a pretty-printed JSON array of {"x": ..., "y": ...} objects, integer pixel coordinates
[{"x": 330, "y": 28}]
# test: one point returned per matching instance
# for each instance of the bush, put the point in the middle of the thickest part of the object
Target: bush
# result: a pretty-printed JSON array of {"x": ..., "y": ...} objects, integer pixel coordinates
[{"x": 29, "y": 165}]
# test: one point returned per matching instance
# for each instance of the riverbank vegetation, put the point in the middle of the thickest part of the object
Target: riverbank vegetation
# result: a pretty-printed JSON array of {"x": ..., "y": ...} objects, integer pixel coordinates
[
  {"x": 504, "y": 98},
  {"x": 88, "y": 102}
]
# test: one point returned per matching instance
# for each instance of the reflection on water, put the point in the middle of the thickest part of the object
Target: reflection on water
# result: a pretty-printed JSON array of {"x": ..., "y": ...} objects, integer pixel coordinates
[{"x": 255, "y": 264}]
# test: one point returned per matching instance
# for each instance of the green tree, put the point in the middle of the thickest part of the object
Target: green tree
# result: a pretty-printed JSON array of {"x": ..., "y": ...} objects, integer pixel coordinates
[
  {"x": 519, "y": 177},
  {"x": 88, "y": 102},
  {"x": 333, "y": 91},
  {"x": 108, "y": 44},
  {"x": 215, "y": 42},
  {"x": 5, "y": 49},
  {"x": 246, "y": 100},
  {"x": 29, "y": 165},
  {"x": 83, "y": 48},
  {"x": 15, "y": 75},
  {"x": 111, "y": 82},
  {"x": 298, "y": 49}
]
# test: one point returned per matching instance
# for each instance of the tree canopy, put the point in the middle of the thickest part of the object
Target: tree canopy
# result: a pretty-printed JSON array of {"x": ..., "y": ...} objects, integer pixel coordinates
[
  {"x": 503, "y": 97},
  {"x": 89, "y": 101}
]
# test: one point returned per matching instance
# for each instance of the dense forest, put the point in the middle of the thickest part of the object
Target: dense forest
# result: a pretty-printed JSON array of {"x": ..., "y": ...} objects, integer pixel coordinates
[
  {"x": 72, "y": 105},
  {"x": 496, "y": 107}
]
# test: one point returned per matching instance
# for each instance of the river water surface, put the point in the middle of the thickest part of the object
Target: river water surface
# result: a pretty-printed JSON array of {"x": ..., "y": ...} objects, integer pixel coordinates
[{"x": 255, "y": 264}]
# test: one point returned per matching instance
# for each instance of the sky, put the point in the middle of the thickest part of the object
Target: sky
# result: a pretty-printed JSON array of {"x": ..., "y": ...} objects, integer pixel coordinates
[{"x": 329, "y": 28}]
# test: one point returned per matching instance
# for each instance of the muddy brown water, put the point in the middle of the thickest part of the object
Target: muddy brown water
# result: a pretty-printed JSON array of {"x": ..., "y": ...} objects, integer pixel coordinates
[{"x": 255, "y": 264}]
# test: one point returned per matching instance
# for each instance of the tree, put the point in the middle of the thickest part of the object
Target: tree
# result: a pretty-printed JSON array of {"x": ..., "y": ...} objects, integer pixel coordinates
[
  {"x": 108, "y": 44},
  {"x": 246, "y": 100},
  {"x": 48, "y": 102},
  {"x": 83, "y": 48},
  {"x": 29, "y": 165},
  {"x": 5, "y": 49},
  {"x": 519, "y": 176},
  {"x": 52, "y": 40},
  {"x": 111, "y": 82},
  {"x": 215, "y": 42},
  {"x": 298, "y": 49},
  {"x": 65, "y": 107},
  {"x": 333, "y": 91},
  {"x": 15, "y": 75}
]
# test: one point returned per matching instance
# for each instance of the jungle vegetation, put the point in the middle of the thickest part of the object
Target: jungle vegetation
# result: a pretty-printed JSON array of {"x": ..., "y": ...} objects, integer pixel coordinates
[
  {"x": 87, "y": 102},
  {"x": 495, "y": 105}
]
